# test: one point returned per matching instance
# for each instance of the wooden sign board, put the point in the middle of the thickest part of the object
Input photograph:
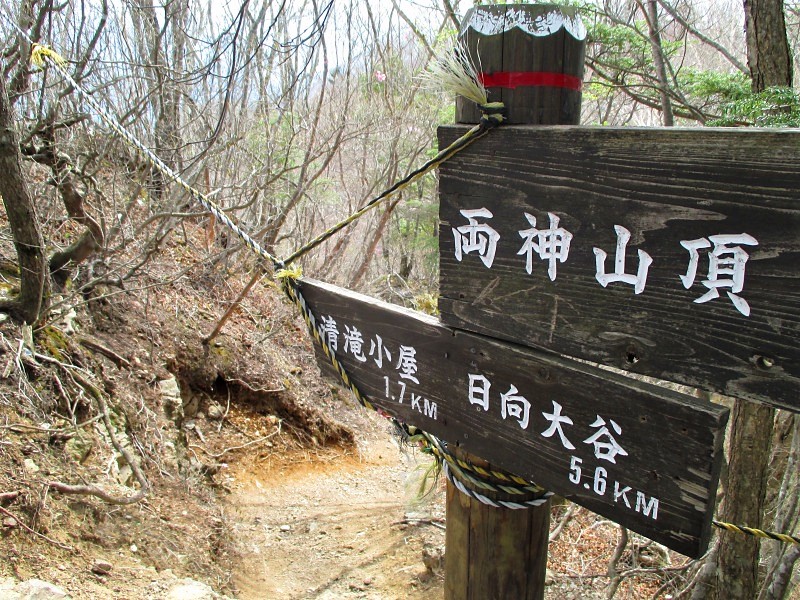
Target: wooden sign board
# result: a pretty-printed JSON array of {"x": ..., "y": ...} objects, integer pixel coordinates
[
  {"x": 673, "y": 253},
  {"x": 643, "y": 456}
]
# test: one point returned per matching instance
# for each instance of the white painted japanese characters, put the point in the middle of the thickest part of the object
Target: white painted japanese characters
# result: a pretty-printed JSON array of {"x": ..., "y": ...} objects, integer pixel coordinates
[
  {"x": 604, "y": 443},
  {"x": 726, "y": 267},
  {"x": 400, "y": 361},
  {"x": 476, "y": 237},
  {"x": 725, "y": 253},
  {"x": 547, "y": 22},
  {"x": 583, "y": 433},
  {"x": 596, "y": 462}
]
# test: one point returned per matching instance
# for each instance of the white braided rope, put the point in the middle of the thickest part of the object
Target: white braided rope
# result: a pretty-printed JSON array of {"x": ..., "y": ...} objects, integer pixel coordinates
[
  {"x": 496, "y": 503},
  {"x": 474, "y": 480},
  {"x": 159, "y": 164}
]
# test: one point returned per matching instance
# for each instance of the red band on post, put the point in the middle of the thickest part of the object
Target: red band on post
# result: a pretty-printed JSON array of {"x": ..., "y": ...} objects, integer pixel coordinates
[{"x": 515, "y": 79}]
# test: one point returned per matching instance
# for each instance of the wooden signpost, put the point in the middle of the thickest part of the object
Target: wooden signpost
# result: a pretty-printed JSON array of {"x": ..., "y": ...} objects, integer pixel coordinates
[
  {"x": 670, "y": 253},
  {"x": 531, "y": 60},
  {"x": 639, "y": 454},
  {"x": 667, "y": 252}
]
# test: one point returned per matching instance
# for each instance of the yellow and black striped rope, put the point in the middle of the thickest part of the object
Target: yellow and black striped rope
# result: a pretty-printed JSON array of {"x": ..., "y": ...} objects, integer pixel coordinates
[
  {"x": 780, "y": 537},
  {"x": 477, "y": 476},
  {"x": 492, "y": 117},
  {"x": 501, "y": 475},
  {"x": 288, "y": 279},
  {"x": 520, "y": 503},
  {"x": 494, "y": 479}
]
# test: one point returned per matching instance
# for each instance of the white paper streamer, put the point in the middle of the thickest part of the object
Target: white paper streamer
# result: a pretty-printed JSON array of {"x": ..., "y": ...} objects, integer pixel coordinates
[{"x": 542, "y": 24}]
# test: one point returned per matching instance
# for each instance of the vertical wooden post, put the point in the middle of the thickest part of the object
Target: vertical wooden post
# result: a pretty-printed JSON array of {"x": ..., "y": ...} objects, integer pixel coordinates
[
  {"x": 494, "y": 553},
  {"x": 531, "y": 59}
]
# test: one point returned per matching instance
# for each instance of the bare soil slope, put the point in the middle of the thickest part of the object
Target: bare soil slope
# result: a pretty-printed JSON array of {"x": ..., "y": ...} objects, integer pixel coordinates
[{"x": 254, "y": 440}]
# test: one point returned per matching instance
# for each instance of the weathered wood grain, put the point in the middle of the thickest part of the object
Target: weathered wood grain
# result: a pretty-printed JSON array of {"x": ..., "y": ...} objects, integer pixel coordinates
[
  {"x": 514, "y": 50},
  {"x": 490, "y": 60},
  {"x": 456, "y": 578},
  {"x": 499, "y": 567},
  {"x": 515, "y": 62},
  {"x": 665, "y": 186},
  {"x": 494, "y": 552},
  {"x": 673, "y": 443}
]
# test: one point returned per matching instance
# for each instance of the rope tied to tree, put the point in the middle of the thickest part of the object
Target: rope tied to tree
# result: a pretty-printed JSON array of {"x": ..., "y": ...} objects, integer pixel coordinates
[
  {"x": 41, "y": 53},
  {"x": 760, "y": 533}
]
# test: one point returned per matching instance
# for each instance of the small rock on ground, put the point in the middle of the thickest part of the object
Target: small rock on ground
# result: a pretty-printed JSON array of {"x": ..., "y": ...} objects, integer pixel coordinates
[
  {"x": 33, "y": 589},
  {"x": 101, "y": 567},
  {"x": 189, "y": 589}
]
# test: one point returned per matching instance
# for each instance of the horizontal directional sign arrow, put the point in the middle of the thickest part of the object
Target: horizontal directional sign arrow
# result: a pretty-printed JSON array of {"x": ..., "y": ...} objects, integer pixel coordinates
[{"x": 643, "y": 456}]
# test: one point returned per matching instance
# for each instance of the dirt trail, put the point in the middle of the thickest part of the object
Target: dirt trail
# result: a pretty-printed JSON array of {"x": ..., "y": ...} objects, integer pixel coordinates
[{"x": 336, "y": 524}]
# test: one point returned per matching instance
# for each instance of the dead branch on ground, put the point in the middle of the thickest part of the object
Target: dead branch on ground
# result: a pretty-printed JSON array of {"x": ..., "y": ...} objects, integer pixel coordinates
[
  {"x": 33, "y": 531},
  {"x": 246, "y": 445},
  {"x": 6, "y": 497}
]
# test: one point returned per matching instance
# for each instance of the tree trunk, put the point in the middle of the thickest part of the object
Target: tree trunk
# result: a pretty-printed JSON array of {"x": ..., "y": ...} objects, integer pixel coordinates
[
  {"x": 162, "y": 50},
  {"x": 781, "y": 581},
  {"x": 28, "y": 240},
  {"x": 768, "y": 53},
  {"x": 651, "y": 14},
  {"x": 746, "y": 488},
  {"x": 63, "y": 262},
  {"x": 778, "y": 582},
  {"x": 377, "y": 235},
  {"x": 169, "y": 139},
  {"x": 770, "y": 64}
]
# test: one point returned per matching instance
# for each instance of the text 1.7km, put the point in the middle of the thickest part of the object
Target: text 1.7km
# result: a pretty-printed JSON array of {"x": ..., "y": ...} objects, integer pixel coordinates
[{"x": 401, "y": 393}]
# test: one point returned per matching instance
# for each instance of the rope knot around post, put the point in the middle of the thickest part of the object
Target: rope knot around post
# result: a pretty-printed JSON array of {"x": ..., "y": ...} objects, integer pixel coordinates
[
  {"x": 284, "y": 273},
  {"x": 493, "y": 493},
  {"x": 492, "y": 114},
  {"x": 486, "y": 484}
]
